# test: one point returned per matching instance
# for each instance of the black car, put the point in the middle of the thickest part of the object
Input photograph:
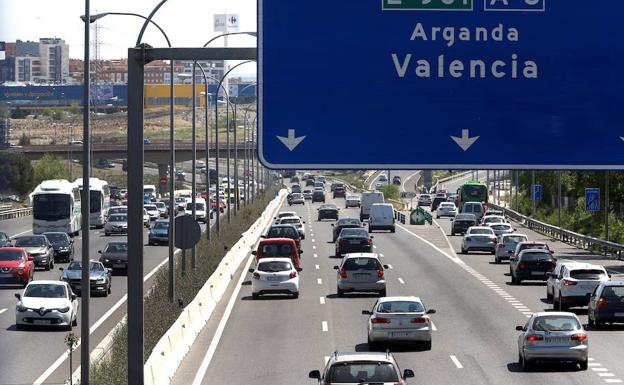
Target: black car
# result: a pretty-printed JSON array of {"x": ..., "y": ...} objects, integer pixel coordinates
[
  {"x": 606, "y": 304},
  {"x": 396, "y": 180},
  {"x": 295, "y": 188},
  {"x": 63, "y": 246},
  {"x": 531, "y": 264},
  {"x": 345, "y": 223},
  {"x": 294, "y": 179},
  {"x": 462, "y": 222},
  {"x": 328, "y": 211},
  {"x": 340, "y": 191},
  {"x": 353, "y": 241},
  {"x": 436, "y": 202},
  {"x": 285, "y": 231},
  {"x": 115, "y": 256},
  {"x": 318, "y": 196},
  {"x": 4, "y": 240}
]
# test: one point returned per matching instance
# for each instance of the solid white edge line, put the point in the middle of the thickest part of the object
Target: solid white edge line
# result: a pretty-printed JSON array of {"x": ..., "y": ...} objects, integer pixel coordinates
[
  {"x": 92, "y": 329},
  {"x": 433, "y": 327},
  {"x": 456, "y": 362},
  {"x": 322, "y": 299},
  {"x": 454, "y": 259},
  {"x": 324, "y": 326},
  {"x": 3, "y": 310},
  {"x": 401, "y": 281},
  {"x": 203, "y": 367}
]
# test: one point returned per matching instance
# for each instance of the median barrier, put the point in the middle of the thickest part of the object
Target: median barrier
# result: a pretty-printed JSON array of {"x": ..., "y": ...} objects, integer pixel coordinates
[
  {"x": 15, "y": 213},
  {"x": 171, "y": 349}
]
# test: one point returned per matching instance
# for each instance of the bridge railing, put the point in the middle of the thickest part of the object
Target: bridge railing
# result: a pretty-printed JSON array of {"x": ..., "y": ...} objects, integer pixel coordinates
[
  {"x": 15, "y": 213},
  {"x": 616, "y": 250}
]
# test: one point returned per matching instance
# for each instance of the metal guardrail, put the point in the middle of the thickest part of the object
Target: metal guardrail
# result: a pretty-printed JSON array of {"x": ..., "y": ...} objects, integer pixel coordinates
[
  {"x": 566, "y": 236},
  {"x": 15, "y": 213}
]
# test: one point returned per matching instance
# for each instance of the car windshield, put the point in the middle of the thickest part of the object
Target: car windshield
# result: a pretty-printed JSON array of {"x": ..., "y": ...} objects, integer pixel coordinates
[
  {"x": 514, "y": 238},
  {"x": 161, "y": 205},
  {"x": 180, "y": 200},
  {"x": 400, "y": 307},
  {"x": 361, "y": 264},
  {"x": 328, "y": 207},
  {"x": 118, "y": 218},
  {"x": 57, "y": 238},
  {"x": 282, "y": 232},
  {"x": 11, "y": 255},
  {"x": 276, "y": 250},
  {"x": 46, "y": 291},
  {"x": 150, "y": 207},
  {"x": 613, "y": 292},
  {"x": 117, "y": 247},
  {"x": 77, "y": 265},
  {"x": 362, "y": 373},
  {"x": 531, "y": 257},
  {"x": 297, "y": 196},
  {"x": 481, "y": 232},
  {"x": 589, "y": 274},
  {"x": 558, "y": 323},
  {"x": 161, "y": 225},
  {"x": 30, "y": 241},
  {"x": 355, "y": 233},
  {"x": 274, "y": 266}
]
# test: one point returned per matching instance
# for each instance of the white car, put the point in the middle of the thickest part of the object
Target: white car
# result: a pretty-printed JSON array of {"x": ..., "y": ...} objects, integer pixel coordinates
[
  {"x": 501, "y": 228},
  {"x": 152, "y": 211},
  {"x": 446, "y": 209},
  {"x": 274, "y": 276},
  {"x": 201, "y": 213},
  {"x": 424, "y": 200},
  {"x": 383, "y": 178},
  {"x": 146, "y": 218},
  {"x": 575, "y": 282},
  {"x": 296, "y": 221},
  {"x": 47, "y": 303},
  {"x": 283, "y": 214},
  {"x": 399, "y": 319},
  {"x": 162, "y": 208},
  {"x": 378, "y": 185},
  {"x": 479, "y": 238},
  {"x": 492, "y": 219},
  {"x": 352, "y": 201}
]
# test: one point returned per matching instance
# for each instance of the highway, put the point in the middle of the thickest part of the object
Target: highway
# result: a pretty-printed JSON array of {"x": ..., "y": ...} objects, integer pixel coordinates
[
  {"x": 18, "y": 348},
  {"x": 474, "y": 341}
]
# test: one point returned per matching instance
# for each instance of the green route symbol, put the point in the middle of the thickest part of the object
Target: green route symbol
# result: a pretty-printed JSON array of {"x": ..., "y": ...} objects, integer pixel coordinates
[{"x": 427, "y": 5}]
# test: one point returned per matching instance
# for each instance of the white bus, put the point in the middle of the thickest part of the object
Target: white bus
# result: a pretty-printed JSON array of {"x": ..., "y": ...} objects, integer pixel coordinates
[
  {"x": 99, "y": 199},
  {"x": 150, "y": 189},
  {"x": 56, "y": 207}
]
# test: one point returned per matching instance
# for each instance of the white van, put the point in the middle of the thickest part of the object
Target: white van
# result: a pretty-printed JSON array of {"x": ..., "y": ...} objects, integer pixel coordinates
[
  {"x": 201, "y": 211},
  {"x": 381, "y": 217},
  {"x": 475, "y": 208},
  {"x": 150, "y": 189},
  {"x": 368, "y": 198}
]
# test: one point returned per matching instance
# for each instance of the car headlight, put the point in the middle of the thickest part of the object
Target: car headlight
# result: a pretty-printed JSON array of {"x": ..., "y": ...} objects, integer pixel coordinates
[
  {"x": 101, "y": 280},
  {"x": 64, "y": 309},
  {"x": 21, "y": 308}
]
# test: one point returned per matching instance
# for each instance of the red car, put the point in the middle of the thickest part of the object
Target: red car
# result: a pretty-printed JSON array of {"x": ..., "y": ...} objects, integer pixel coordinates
[
  {"x": 213, "y": 205},
  {"x": 16, "y": 266},
  {"x": 278, "y": 248}
]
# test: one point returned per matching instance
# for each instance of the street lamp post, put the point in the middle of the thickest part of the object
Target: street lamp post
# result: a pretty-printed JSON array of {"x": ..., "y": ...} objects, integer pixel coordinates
[{"x": 237, "y": 207}]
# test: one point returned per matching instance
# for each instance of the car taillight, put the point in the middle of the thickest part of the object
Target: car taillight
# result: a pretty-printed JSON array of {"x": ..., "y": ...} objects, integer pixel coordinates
[
  {"x": 579, "y": 337},
  {"x": 368, "y": 242},
  {"x": 380, "y": 273},
  {"x": 493, "y": 239},
  {"x": 602, "y": 303},
  {"x": 293, "y": 274},
  {"x": 343, "y": 274},
  {"x": 534, "y": 337},
  {"x": 380, "y": 320},
  {"x": 501, "y": 245},
  {"x": 521, "y": 266},
  {"x": 420, "y": 320},
  {"x": 567, "y": 282},
  {"x": 256, "y": 275}
]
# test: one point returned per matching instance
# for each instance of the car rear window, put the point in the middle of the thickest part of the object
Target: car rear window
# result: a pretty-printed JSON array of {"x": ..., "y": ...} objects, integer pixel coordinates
[
  {"x": 400, "y": 307},
  {"x": 514, "y": 239},
  {"x": 354, "y": 233},
  {"x": 591, "y": 274},
  {"x": 285, "y": 232},
  {"x": 290, "y": 220},
  {"x": 361, "y": 264},
  {"x": 481, "y": 232},
  {"x": 531, "y": 257},
  {"x": 276, "y": 250},
  {"x": 30, "y": 242},
  {"x": 556, "y": 323},
  {"x": 328, "y": 207},
  {"x": 362, "y": 373},
  {"x": 613, "y": 292},
  {"x": 274, "y": 266},
  {"x": 348, "y": 221},
  {"x": 117, "y": 218},
  {"x": 447, "y": 205},
  {"x": 540, "y": 246},
  {"x": 465, "y": 217},
  {"x": 500, "y": 227}
]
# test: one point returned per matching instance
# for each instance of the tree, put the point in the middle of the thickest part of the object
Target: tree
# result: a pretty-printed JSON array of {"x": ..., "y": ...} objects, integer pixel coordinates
[
  {"x": 16, "y": 173},
  {"x": 24, "y": 140},
  {"x": 50, "y": 167}
]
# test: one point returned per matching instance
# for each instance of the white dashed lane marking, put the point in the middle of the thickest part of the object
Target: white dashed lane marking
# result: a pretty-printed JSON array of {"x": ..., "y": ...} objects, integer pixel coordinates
[
  {"x": 2, "y": 310},
  {"x": 319, "y": 281},
  {"x": 322, "y": 300},
  {"x": 456, "y": 362},
  {"x": 315, "y": 255},
  {"x": 401, "y": 281},
  {"x": 317, "y": 267},
  {"x": 324, "y": 326}
]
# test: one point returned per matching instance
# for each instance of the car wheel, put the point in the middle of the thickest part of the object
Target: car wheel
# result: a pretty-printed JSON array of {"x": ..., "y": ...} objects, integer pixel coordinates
[
  {"x": 47, "y": 267},
  {"x": 590, "y": 321},
  {"x": 110, "y": 288},
  {"x": 382, "y": 293},
  {"x": 393, "y": 230},
  {"x": 51, "y": 263},
  {"x": 295, "y": 295},
  {"x": 255, "y": 295},
  {"x": 597, "y": 325},
  {"x": 526, "y": 364},
  {"x": 452, "y": 233},
  {"x": 463, "y": 251},
  {"x": 583, "y": 365},
  {"x": 497, "y": 260},
  {"x": 437, "y": 217},
  {"x": 372, "y": 346},
  {"x": 427, "y": 345},
  {"x": 25, "y": 283},
  {"x": 75, "y": 321},
  {"x": 106, "y": 234},
  {"x": 340, "y": 292}
]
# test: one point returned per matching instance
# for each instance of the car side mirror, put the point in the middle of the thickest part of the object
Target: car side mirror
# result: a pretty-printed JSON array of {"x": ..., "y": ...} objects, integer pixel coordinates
[
  {"x": 332, "y": 225},
  {"x": 371, "y": 237},
  {"x": 336, "y": 267},
  {"x": 73, "y": 297},
  {"x": 408, "y": 373},
  {"x": 304, "y": 221},
  {"x": 31, "y": 258},
  {"x": 519, "y": 328},
  {"x": 609, "y": 276},
  {"x": 263, "y": 236},
  {"x": 61, "y": 269},
  {"x": 18, "y": 296},
  {"x": 254, "y": 252},
  {"x": 99, "y": 251},
  {"x": 71, "y": 241},
  {"x": 431, "y": 311},
  {"x": 251, "y": 270},
  {"x": 386, "y": 266},
  {"x": 299, "y": 269},
  {"x": 367, "y": 312},
  {"x": 451, "y": 219},
  {"x": 315, "y": 374}
]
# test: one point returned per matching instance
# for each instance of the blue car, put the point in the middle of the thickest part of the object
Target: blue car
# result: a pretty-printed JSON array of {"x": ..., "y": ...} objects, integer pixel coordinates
[
  {"x": 159, "y": 233},
  {"x": 147, "y": 141}
]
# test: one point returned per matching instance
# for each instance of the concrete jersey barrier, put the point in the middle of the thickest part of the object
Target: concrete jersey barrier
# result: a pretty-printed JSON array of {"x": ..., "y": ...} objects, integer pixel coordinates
[{"x": 171, "y": 349}]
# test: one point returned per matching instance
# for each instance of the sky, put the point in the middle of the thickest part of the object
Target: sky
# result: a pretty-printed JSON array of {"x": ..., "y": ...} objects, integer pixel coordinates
[{"x": 188, "y": 23}]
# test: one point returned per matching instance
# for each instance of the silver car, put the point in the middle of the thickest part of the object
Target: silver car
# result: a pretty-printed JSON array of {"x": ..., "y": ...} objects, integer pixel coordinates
[
  {"x": 501, "y": 228},
  {"x": 352, "y": 201},
  {"x": 361, "y": 272},
  {"x": 507, "y": 245},
  {"x": 479, "y": 238},
  {"x": 99, "y": 277},
  {"x": 38, "y": 247},
  {"x": 116, "y": 224},
  {"x": 399, "y": 319},
  {"x": 361, "y": 368},
  {"x": 552, "y": 336}
]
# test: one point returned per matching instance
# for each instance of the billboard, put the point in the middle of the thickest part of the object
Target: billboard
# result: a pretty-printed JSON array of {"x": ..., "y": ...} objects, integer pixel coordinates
[{"x": 225, "y": 23}]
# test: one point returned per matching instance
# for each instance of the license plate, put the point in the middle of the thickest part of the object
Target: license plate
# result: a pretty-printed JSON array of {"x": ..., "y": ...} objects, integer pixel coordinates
[
  {"x": 399, "y": 334},
  {"x": 618, "y": 314},
  {"x": 537, "y": 273},
  {"x": 274, "y": 278},
  {"x": 41, "y": 322},
  {"x": 354, "y": 242},
  {"x": 119, "y": 266},
  {"x": 556, "y": 340},
  {"x": 361, "y": 276},
  {"x": 5, "y": 275}
]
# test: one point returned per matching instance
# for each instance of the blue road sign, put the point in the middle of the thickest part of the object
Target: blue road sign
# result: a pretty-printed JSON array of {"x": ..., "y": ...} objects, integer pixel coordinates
[
  {"x": 445, "y": 84},
  {"x": 592, "y": 199},
  {"x": 537, "y": 192}
]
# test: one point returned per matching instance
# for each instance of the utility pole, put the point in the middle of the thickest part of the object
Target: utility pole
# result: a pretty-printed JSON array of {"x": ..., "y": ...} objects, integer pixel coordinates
[
  {"x": 559, "y": 198},
  {"x": 606, "y": 208},
  {"x": 533, "y": 193}
]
